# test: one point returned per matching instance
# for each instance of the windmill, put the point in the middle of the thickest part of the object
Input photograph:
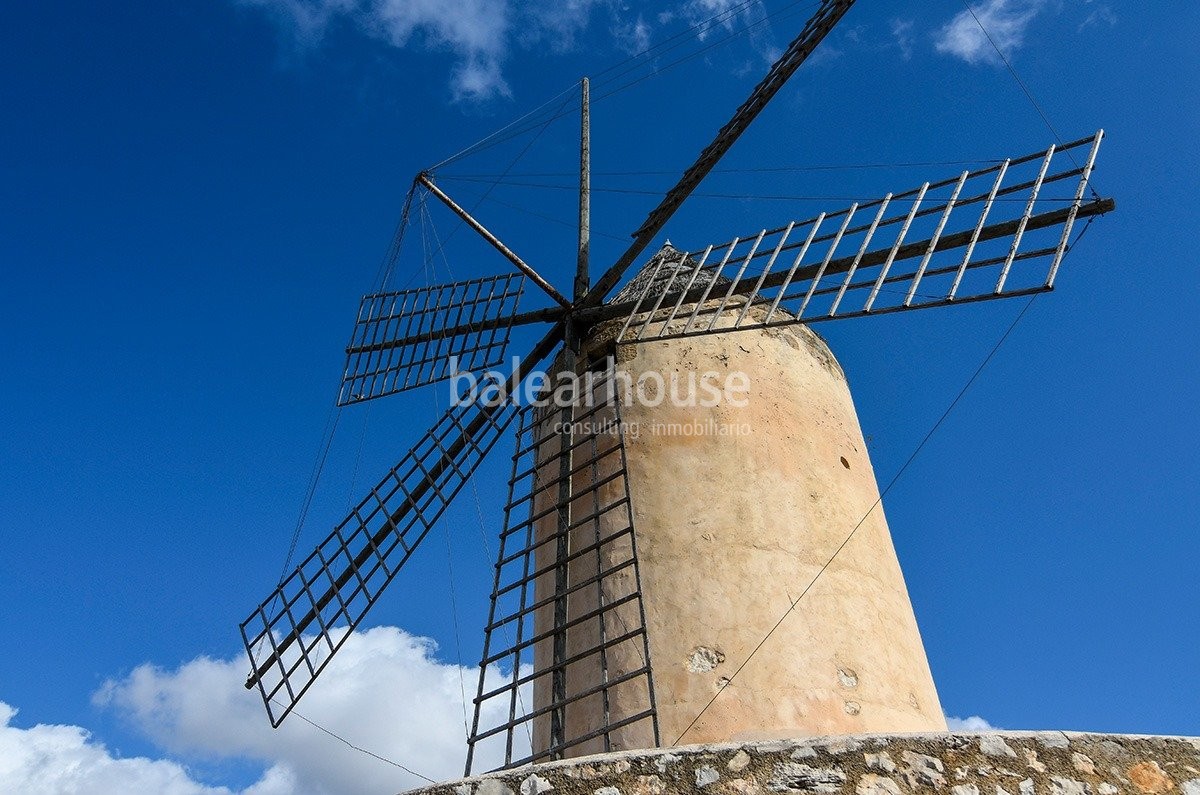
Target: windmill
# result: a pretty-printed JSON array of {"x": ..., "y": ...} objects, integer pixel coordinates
[{"x": 596, "y": 624}]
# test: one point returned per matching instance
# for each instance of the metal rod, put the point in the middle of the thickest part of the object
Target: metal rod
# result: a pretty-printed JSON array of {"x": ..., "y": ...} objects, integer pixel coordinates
[
  {"x": 678, "y": 266},
  {"x": 708, "y": 287},
  {"x": 494, "y": 241},
  {"x": 575, "y": 588},
  {"x": 1042, "y": 253},
  {"x": 637, "y": 585},
  {"x": 795, "y": 264},
  {"x": 1016, "y": 241},
  {"x": 562, "y": 552},
  {"x": 758, "y": 285},
  {"x": 737, "y": 279},
  {"x": 576, "y": 554},
  {"x": 585, "y": 194},
  {"x": 584, "y": 738},
  {"x": 573, "y": 622},
  {"x": 979, "y": 227},
  {"x": 574, "y": 658},
  {"x": 1018, "y": 188},
  {"x": 487, "y": 644},
  {"x": 558, "y": 747},
  {"x": 861, "y": 252},
  {"x": 638, "y": 304},
  {"x": 554, "y": 482},
  {"x": 551, "y": 314},
  {"x": 820, "y": 274},
  {"x": 606, "y": 697},
  {"x": 1083, "y": 183},
  {"x": 887, "y": 266},
  {"x": 1005, "y": 164},
  {"x": 691, "y": 280},
  {"x": 933, "y": 241}
]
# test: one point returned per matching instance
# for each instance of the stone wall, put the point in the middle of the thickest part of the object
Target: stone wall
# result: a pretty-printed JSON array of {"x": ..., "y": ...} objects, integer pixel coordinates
[{"x": 1006, "y": 763}]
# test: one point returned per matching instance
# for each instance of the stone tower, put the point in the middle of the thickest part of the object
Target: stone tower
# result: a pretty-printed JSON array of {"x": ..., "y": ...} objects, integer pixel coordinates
[{"x": 737, "y": 508}]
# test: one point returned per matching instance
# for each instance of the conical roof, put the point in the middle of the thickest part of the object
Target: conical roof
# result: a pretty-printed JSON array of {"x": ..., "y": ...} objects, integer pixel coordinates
[{"x": 672, "y": 275}]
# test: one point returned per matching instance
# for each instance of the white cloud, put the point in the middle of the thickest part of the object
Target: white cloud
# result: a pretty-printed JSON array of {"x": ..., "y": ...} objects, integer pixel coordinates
[
  {"x": 1006, "y": 21},
  {"x": 64, "y": 760},
  {"x": 385, "y": 692},
  {"x": 475, "y": 32},
  {"x": 971, "y": 724}
]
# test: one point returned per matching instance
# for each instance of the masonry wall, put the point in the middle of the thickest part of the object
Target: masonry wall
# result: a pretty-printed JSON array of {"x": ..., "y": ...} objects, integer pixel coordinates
[{"x": 1010, "y": 763}]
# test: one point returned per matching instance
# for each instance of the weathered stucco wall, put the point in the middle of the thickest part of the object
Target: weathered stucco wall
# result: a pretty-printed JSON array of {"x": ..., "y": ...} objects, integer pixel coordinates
[
  {"x": 732, "y": 528},
  {"x": 1008, "y": 763}
]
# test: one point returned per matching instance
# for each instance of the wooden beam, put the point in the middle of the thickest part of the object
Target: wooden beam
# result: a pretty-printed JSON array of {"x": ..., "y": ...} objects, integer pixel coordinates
[{"x": 495, "y": 242}]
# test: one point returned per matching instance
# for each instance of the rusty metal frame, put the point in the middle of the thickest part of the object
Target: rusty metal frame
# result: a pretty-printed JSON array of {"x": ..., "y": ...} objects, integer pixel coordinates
[
  {"x": 409, "y": 338},
  {"x": 294, "y": 633},
  {"x": 538, "y": 476}
]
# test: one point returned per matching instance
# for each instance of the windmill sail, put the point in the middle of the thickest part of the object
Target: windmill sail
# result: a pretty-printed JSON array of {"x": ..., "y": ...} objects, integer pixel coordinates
[
  {"x": 993, "y": 233},
  {"x": 566, "y": 629},
  {"x": 294, "y": 633},
  {"x": 409, "y": 338}
]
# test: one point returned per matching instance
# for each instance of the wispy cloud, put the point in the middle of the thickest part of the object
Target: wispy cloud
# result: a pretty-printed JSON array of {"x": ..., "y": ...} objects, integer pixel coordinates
[
  {"x": 480, "y": 35},
  {"x": 902, "y": 36},
  {"x": 632, "y": 37},
  {"x": 1098, "y": 14},
  {"x": 474, "y": 32},
  {"x": 385, "y": 691},
  {"x": 557, "y": 25},
  {"x": 711, "y": 17},
  {"x": 305, "y": 21},
  {"x": 1007, "y": 22}
]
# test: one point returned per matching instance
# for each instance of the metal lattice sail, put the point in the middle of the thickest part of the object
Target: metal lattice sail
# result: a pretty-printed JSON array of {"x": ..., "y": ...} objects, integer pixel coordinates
[
  {"x": 406, "y": 339},
  {"x": 568, "y": 560},
  {"x": 910, "y": 250}
]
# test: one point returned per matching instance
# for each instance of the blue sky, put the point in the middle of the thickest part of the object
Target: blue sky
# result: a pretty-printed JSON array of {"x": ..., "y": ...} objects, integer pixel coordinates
[{"x": 194, "y": 196}]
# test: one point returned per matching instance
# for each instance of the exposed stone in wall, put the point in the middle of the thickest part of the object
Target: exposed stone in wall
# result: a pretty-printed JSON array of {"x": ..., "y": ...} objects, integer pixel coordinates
[{"x": 1006, "y": 763}]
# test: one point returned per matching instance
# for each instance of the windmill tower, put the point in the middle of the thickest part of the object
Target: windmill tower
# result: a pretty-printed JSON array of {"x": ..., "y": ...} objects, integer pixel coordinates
[{"x": 654, "y": 537}]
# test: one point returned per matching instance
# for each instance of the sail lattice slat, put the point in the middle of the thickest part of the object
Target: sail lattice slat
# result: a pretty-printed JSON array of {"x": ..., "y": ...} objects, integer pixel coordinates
[
  {"x": 409, "y": 338},
  {"x": 295, "y": 632},
  {"x": 997, "y": 232},
  {"x": 566, "y": 629}
]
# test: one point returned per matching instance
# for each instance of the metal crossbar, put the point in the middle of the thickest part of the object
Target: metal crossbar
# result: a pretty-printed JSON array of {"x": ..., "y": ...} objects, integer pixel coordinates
[
  {"x": 409, "y": 338},
  {"x": 586, "y": 667},
  {"x": 292, "y": 635},
  {"x": 973, "y": 237}
]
